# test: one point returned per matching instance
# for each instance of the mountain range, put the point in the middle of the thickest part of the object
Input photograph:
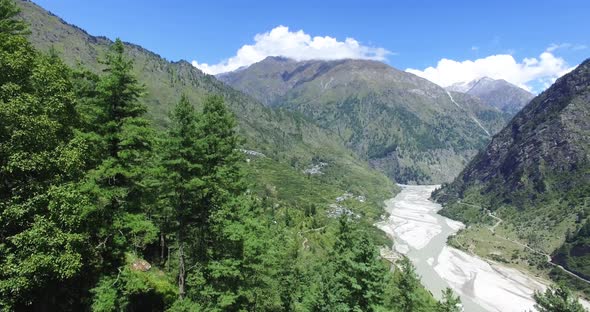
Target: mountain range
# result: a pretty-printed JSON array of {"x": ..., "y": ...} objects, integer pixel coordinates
[{"x": 406, "y": 126}]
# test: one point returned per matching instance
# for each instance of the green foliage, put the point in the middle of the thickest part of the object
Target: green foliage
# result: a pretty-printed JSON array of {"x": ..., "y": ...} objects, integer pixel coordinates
[
  {"x": 139, "y": 229},
  {"x": 134, "y": 290},
  {"x": 43, "y": 219},
  {"x": 557, "y": 299},
  {"x": 407, "y": 293},
  {"x": 9, "y": 24},
  {"x": 116, "y": 184},
  {"x": 184, "y": 305},
  {"x": 560, "y": 277},
  {"x": 183, "y": 187},
  {"x": 574, "y": 254},
  {"x": 105, "y": 296},
  {"x": 450, "y": 302},
  {"x": 355, "y": 275}
]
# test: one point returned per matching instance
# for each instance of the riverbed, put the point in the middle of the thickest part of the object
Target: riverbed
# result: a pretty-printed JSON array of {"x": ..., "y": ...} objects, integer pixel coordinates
[{"x": 421, "y": 234}]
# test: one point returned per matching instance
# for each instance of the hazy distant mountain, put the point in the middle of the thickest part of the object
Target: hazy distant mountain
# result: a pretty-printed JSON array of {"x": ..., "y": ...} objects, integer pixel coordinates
[
  {"x": 410, "y": 128},
  {"x": 535, "y": 174},
  {"x": 462, "y": 87},
  {"x": 497, "y": 93}
]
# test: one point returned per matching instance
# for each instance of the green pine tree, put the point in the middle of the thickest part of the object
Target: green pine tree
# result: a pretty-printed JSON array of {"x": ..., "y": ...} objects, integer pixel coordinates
[
  {"x": 450, "y": 302},
  {"x": 557, "y": 299},
  {"x": 9, "y": 24},
  {"x": 184, "y": 187},
  {"x": 117, "y": 185},
  {"x": 407, "y": 282},
  {"x": 223, "y": 207},
  {"x": 355, "y": 275}
]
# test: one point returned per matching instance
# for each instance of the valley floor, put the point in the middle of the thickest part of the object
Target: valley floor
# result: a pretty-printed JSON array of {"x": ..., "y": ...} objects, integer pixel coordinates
[{"x": 421, "y": 234}]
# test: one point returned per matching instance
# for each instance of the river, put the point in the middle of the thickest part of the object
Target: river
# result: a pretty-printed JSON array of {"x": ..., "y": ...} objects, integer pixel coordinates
[{"x": 421, "y": 234}]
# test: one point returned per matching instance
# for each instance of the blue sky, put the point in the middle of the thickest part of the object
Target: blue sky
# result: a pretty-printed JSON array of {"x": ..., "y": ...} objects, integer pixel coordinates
[{"x": 417, "y": 33}]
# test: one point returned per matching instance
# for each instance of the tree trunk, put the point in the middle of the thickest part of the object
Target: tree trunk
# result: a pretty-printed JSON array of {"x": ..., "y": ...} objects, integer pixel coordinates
[
  {"x": 181, "y": 271},
  {"x": 168, "y": 260},
  {"x": 162, "y": 248}
]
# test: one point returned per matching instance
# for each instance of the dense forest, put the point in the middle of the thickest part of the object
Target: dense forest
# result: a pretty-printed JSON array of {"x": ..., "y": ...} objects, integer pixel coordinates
[{"x": 101, "y": 211}]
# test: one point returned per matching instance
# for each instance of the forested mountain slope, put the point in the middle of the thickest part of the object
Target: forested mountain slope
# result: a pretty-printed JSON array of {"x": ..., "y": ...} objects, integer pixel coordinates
[
  {"x": 544, "y": 149},
  {"x": 535, "y": 177},
  {"x": 406, "y": 126}
]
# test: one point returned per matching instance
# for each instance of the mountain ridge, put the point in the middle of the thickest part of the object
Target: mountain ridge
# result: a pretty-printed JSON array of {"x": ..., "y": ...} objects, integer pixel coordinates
[{"x": 406, "y": 126}]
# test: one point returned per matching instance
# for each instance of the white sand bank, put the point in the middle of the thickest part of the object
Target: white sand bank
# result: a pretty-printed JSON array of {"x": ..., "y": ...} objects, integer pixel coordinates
[
  {"x": 411, "y": 221},
  {"x": 494, "y": 287}
]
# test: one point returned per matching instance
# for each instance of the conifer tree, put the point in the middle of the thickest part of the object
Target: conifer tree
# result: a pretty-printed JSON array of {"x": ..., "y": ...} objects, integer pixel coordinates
[
  {"x": 450, "y": 302},
  {"x": 355, "y": 279},
  {"x": 223, "y": 206},
  {"x": 184, "y": 187},
  {"x": 117, "y": 183},
  {"x": 218, "y": 234},
  {"x": 557, "y": 299},
  {"x": 408, "y": 283},
  {"x": 9, "y": 24}
]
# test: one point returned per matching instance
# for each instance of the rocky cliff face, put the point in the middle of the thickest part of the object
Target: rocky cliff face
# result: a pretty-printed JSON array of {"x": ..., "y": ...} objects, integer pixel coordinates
[
  {"x": 406, "y": 126},
  {"x": 534, "y": 176},
  {"x": 545, "y": 148}
]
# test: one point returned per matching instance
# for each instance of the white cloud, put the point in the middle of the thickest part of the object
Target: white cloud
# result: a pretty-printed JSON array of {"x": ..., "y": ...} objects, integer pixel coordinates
[
  {"x": 298, "y": 45},
  {"x": 528, "y": 74}
]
